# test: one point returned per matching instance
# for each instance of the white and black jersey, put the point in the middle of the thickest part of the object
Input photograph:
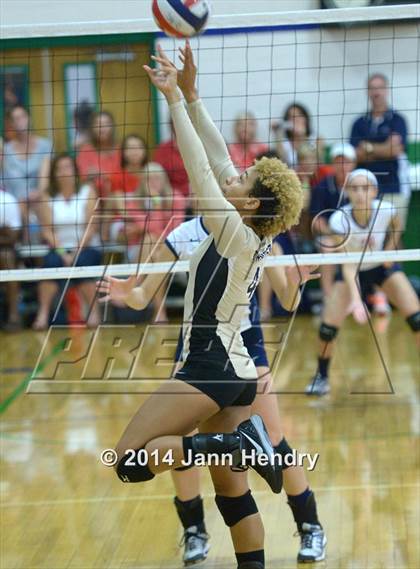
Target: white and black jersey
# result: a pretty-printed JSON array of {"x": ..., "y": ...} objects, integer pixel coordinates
[
  {"x": 184, "y": 239},
  {"x": 370, "y": 237},
  {"x": 227, "y": 265}
]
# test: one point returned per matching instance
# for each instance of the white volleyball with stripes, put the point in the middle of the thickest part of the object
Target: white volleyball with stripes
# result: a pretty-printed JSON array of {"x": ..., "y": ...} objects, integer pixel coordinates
[{"x": 181, "y": 18}]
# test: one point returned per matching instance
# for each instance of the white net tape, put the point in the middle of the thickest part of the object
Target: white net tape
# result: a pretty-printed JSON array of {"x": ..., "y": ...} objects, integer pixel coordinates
[{"x": 183, "y": 266}]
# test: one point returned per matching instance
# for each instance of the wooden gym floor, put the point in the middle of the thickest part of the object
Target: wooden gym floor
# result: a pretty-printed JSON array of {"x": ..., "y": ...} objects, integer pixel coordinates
[{"x": 61, "y": 508}]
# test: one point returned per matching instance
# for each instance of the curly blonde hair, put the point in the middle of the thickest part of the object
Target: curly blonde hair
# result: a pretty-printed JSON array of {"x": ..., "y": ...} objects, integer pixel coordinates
[{"x": 281, "y": 195}]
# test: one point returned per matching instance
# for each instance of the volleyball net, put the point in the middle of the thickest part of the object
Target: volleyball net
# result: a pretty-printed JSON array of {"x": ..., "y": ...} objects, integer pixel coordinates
[{"x": 262, "y": 77}]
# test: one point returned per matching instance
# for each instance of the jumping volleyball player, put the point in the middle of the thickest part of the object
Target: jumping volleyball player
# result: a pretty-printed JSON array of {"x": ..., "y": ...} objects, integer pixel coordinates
[
  {"x": 241, "y": 214},
  {"x": 180, "y": 244},
  {"x": 366, "y": 222}
]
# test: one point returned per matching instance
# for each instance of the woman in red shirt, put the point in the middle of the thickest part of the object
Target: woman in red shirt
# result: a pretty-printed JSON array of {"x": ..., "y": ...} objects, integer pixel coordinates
[
  {"x": 150, "y": 213},
  {"x": 134, "y": 157},
  {"x": 245, "y": 149},
  {"x": 100, "y": 158}
]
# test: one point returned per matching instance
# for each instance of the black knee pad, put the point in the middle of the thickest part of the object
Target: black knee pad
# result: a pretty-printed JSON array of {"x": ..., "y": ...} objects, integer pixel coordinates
[
  {"x": 327, "y": 333},
  {"x": 283, "y": 449},
  {"x": 133, "y": 472},
  {"x": 233, "y": 510},
  {"x": 414, "y": 321}
]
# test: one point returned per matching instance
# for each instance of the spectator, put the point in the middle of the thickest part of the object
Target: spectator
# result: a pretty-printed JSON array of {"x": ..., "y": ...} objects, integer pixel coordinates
[
  {"x": 72, "y": 239},
  {"x": 153, "y": 211},
  {"x": 82, "y": 118},
  {"x": 26, "y": 164},
  {"x": 294, "y": 130},
  {"x": 245, "y": 149},
  {"x": 326, "y": 197},
  {"x": 380, "y": 139},
  {"x": 10, "y": 228},
  {"x": 307, "y": 170},
  {"x": 167, "y": 155},
  {"x": 99, "y": 159},
  {"x": 133, "y": 160}
]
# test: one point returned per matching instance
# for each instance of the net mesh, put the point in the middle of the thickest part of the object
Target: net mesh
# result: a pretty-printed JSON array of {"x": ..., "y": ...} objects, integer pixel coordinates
[{"x": 293, "y": 84}]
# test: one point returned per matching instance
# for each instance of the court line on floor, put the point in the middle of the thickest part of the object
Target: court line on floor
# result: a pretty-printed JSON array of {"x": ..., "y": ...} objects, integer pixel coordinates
[
  {"x": 369, "y": 437},
  {"x": 10, "y": 370},
  {"x": 158, "y": 497},
  {"x": 405, "y": 399},
  {"x": 4, "y": 405}
]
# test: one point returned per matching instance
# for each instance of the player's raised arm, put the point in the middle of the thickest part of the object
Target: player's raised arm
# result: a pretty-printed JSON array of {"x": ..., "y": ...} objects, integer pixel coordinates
[
  {"x": 221, "y": 217},
  {"x": 212, "y": 139}
]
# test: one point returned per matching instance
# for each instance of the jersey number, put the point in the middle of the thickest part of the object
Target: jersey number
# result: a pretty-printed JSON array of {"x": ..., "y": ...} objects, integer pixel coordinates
[{"x": 254, "y": 283}]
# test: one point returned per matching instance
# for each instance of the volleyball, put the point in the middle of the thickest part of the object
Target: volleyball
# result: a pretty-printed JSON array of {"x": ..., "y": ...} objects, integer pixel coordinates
[{"x": 181, "y": 18}]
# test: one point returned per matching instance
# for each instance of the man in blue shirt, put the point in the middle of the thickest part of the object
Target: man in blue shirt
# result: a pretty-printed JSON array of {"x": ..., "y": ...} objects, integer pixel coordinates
[{"x": 380, "y": 139}]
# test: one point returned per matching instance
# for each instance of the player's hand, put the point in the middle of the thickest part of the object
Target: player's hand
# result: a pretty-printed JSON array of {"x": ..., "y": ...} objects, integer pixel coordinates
[
  {"x": 298, "y": 275},
  {"x": 188, "y": 74},
  {"x": 115, "y": 289},
  {"x": 164, "y": 77},
  {"x": 359, "y": 312}
]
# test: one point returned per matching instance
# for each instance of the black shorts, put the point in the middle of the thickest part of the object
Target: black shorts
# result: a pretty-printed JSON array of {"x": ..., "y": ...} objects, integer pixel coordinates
[
  {"x": 224, "y": 387},
  {"x": 376, "y": 276}
]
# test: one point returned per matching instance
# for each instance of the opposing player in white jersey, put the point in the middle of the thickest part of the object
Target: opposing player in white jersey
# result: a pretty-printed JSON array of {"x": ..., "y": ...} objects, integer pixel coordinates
[
  {"x": 218, "y": 381},
  {"x": 365, "y": 224}
]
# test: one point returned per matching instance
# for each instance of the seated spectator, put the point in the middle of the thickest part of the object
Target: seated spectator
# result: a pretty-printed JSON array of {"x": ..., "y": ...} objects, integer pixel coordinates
[
  {"x": 99, "y": 159},
  {"x": 310, "y": 171},
  {"x": 380, "y": 139},
  {"x": 10, "y": 229},
  {"x": 294, "y": 130},
  {"x": 150, "y": 214},
  {"x": 82, "y": 118},
  {"x": 167, "y": 155},
  {"x": 72, "y": 237},
  {"x": 133, "y": 160},
  {"x": 326, "y": 197},
  {"x": 26, "y": 164},
  {"x": 306, "y": 169},
  {"x": 245, "y": 149}
]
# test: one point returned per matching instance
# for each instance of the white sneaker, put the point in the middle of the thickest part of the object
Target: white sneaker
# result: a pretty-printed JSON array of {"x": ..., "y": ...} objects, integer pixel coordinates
[
  {"x": 318, "y": 386},
  {"x": 313, "y": 544},
  {"x": 196, "y": 546}
]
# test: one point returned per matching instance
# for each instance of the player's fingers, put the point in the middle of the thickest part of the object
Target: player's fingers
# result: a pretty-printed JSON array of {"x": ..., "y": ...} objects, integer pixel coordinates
[
  {"x": 161, "y": 52},
  {"x": 189, "y": 53},
  {"x": 314, "y": 276},
  {"x": 103, "y": 287},
  {"x": 102, "y": 282},
  {"x": 149, "y": 71},
  {"x": 165, "y": 64}
]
